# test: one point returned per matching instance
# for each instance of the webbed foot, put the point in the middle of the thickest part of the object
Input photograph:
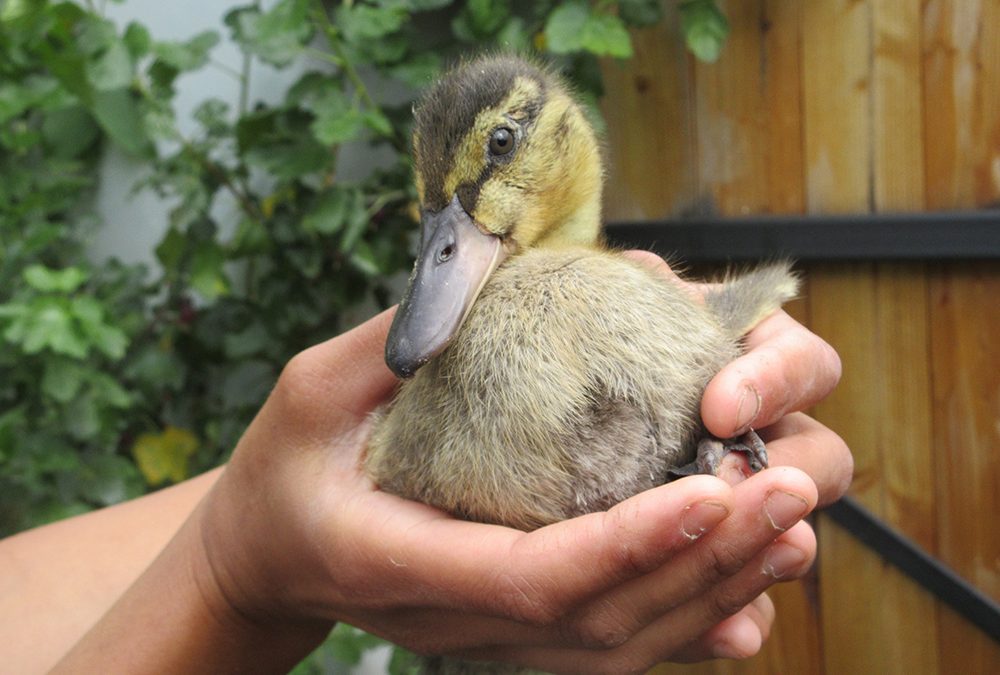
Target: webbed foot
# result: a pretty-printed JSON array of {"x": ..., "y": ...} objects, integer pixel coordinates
[{"x": 711, "y": 452}]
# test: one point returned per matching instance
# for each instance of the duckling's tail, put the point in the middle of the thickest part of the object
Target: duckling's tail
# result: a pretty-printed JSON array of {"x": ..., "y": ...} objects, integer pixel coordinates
[{"x": 741, "y": 301}]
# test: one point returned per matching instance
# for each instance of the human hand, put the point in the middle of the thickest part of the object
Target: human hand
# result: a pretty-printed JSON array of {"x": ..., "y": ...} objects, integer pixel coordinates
[
  {"x": 786, "y": 369},
  {"x": 296, "y": 534}
]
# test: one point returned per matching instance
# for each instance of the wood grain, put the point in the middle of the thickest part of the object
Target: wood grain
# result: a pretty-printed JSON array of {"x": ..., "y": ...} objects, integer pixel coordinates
[
  {"x": 651, "y": 134},
  {"x": 854, "y": 106},
  {"x": 961, "y": 91},
  {"x": 966, "y": 422}
]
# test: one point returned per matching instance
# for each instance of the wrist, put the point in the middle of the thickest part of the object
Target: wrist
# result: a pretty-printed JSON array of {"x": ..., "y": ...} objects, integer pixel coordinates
[{"x": 176, "y": 619}]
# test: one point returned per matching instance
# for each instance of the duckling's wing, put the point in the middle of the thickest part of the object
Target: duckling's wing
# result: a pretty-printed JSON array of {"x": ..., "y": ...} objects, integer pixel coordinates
[{"x": 740, "y": 302}]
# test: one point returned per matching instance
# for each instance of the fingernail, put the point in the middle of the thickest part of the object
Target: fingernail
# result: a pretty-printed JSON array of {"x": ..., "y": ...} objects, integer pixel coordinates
[
  {"x": 701, "y": 517},
  {"x": 781, "y": 560},
  {"x": 784, "y": 509},
  {"x": 724, "y": 650},
  {"x": 747, "y": 409}
]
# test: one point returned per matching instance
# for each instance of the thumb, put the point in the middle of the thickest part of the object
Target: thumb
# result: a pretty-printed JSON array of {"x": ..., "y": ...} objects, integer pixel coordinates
[{"x": 336, "y": 383}]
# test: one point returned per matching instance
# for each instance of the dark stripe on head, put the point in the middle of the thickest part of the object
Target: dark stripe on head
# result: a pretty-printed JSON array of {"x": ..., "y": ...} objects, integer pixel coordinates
[{"x": 448, "y": 111}]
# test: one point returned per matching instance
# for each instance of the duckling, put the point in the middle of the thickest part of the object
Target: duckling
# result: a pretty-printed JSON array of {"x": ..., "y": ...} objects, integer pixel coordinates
[{"x": 546, "y": 376}]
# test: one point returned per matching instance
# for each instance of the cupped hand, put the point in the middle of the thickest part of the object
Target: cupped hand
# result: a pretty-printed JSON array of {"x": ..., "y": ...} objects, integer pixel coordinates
[
  {"x": 296, "y": 534},
  {"x": 786, "y": 369}
]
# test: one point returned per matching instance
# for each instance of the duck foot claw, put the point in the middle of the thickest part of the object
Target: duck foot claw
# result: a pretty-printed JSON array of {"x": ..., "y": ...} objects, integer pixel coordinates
[{"x": 711, "y": 452}]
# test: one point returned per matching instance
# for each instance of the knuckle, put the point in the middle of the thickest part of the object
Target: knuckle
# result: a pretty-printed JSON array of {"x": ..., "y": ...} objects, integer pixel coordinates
[
  {"x": 847, "y": 471},
  {"x": 720, "y": 561},
  {"x": 295, "y": 381},
  {"x": 523, "y": 600},
  {"x": 600, "y": 629},
  {"x": 831, "y": 359},
  {"x": 724, "y": 602}
]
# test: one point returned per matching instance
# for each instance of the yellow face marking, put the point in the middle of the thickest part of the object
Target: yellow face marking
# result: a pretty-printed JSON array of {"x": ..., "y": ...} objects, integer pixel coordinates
[{"x": 470, "y": 157}]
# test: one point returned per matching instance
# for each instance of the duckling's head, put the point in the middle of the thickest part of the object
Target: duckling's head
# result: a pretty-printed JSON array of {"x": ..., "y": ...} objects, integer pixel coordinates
[{"x": 505, "y": 160}]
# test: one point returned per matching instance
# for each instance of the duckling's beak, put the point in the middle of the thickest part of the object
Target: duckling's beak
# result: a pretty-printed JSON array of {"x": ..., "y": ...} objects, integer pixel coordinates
[{"x": 455, "y": 260}]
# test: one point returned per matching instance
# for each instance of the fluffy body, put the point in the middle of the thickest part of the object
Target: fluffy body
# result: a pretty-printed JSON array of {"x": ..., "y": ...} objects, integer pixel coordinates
[
  {"x": 575, "y": 383},
  {"x": 576, "y": 378}
]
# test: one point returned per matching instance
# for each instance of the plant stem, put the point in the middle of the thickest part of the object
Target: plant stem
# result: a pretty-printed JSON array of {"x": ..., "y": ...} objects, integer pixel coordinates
[
  {"x": 379, "y": 203},
  {"x": 333, "y": 38}
]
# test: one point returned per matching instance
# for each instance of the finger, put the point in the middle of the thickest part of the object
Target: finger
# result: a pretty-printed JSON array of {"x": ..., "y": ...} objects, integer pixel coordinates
[
  {"x": 346, "y": 374},
  {"x": 767, "y": 505},
  {"x": 786, "y": 368},
  {"x": 536, "y": 577},
  {"x": 731, "y": 638},
  {"x": 800, "y": 441},
  {"x": 661, "y": 267},
  {"x": 668, "y": 638}
]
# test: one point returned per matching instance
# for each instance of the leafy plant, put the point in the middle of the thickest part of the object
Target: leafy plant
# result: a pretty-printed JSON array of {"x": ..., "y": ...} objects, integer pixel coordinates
[{"x": 115, "y": 380}]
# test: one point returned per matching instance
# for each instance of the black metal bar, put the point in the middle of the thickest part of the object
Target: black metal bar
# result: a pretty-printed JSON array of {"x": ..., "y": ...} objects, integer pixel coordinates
[
  {"x": 910, "y": 236},
  {"x": 919, "y": 565}
]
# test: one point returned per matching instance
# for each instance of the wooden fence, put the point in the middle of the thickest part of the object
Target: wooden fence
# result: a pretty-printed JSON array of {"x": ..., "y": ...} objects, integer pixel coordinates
[{"x": 821, "y": 106}]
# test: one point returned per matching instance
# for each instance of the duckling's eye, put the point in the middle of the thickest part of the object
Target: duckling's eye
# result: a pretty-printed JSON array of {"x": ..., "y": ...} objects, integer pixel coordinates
[{"x": 501, "y": 141}]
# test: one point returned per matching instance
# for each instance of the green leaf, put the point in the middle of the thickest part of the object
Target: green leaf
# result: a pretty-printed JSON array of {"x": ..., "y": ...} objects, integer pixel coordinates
[
  {"x": 247, "y": 384},
  {"x": 277, "y": 36},
  {"x": 252, "y": 340},
  {"x": 427, "y": 5},
  {"x": 486, "y": 16},
  {"x": 47, "y": 280},
  {"x": 378, "y": 122},
  {"x": 514, "y": 36},
  {"x": 564, "y": 27},
  {"x": 251, "y": 238},
  {"x": 13, "y": 10},
  {"x": 69, "y": 131},
  {"x": 83, "y": 417},
  {"x": 109, "y": 392},
  {"x": 705, "y": 28},
  {"x": 640, "y": 12},
  {"x": 95, "y": 34},
  {"x": 363, "y": 259},
  {"x": 330, "y": 212},
  {"x": 211, "y": 114},
  {"x": 138, "y": 40},
  {"x": 357, "y": 222},
  {"x": 190, "y": 55},
  {"x": 104, "y": 479},
  {"x": 337, "y": 119},
  {"x": 46, "y": 323},
  {"x": 119, "y": 115},
  {"x": 606, "y": 35},
  {"x": 90, "y": 315},
  {"x": 417, "y": 71},
  {"x": 113, "y": 69},
  {"x": 156, "y": 366},
  {"x": 207, "y": 275},
  {"x": 170, "y": 250},
  {"x": 62, "y": 379},
  {"x": 165, "y": 455},
  {"x": 361, "y": 23}
]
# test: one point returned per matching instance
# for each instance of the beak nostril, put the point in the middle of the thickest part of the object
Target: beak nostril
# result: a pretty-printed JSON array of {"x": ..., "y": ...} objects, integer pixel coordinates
[{"x": 445, "y": 254}]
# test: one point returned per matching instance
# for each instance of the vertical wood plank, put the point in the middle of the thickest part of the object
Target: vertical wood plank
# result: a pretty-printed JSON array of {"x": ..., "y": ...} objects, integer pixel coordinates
[
  {"x": 732, "y": 123},
  {"x": 966, "y": 354},
  {"x": 874, "y": 618},
  {"x": 652, "y": 172},
  {"x": 898, "y": 121},
  {"x": 961, "y": 55},
  {"x": 836, "y": 105},
  {"x": 843, "y": 307},
  {"x": 782, "y": 28},
  {"x": 961, "y": 59}
]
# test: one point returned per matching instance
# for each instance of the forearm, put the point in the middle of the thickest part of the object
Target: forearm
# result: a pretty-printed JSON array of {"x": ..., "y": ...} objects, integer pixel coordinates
[
  {"x": 175, "y": 619},
  {"x": 58, "y": 580}
]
